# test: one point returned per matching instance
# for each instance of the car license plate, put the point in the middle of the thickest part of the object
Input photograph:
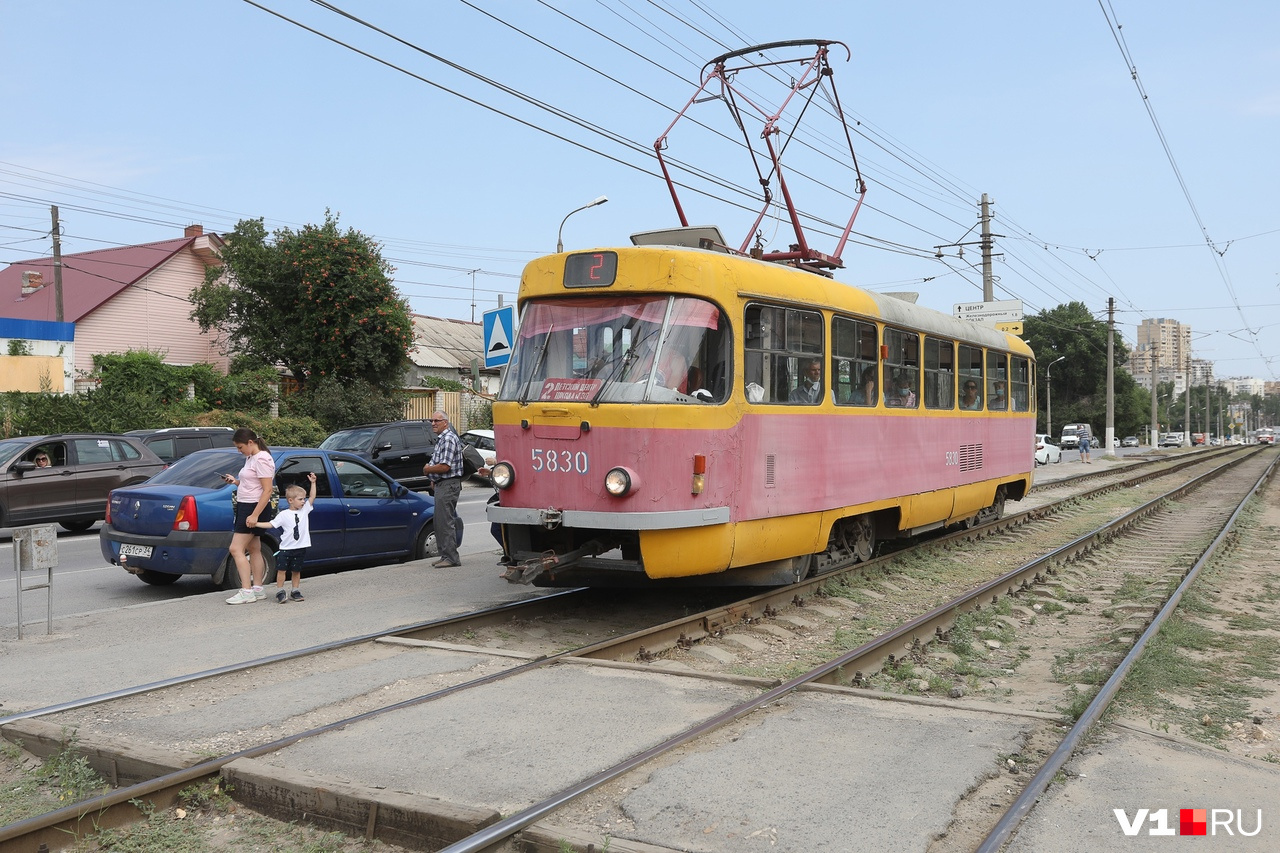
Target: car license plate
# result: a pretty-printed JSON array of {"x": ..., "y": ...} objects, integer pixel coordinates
[{"x": 135, "y": 550}]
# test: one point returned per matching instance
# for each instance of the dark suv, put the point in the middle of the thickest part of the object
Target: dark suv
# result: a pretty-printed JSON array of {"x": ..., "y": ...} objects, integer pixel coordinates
[
  {"x": 72, "y": 488},
  {"x": 400, "y": 448},
  {"x": 173, "y": 443}
]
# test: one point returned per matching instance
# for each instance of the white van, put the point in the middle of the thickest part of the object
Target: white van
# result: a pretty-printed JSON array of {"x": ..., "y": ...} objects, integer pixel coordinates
[{"x": 1071, "y": 436}]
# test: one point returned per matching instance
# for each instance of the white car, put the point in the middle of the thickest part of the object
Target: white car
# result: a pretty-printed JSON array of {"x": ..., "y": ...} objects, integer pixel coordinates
[
  {"x": 1046, "y": 450},
  {"x": 482, "y": 440}
]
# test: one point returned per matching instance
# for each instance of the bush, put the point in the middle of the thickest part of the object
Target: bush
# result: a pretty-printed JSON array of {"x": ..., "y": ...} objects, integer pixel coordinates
[
  {"x": 338, "y": 404},
  {"x": 290, "y": 431},
  {"x": 136, "y": 390}
]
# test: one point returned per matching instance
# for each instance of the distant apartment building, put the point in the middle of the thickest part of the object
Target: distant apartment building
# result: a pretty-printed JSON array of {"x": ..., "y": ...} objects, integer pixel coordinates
[
  {"x": 1163, "y": 348},
  {"x": 1245, "y": 385}
]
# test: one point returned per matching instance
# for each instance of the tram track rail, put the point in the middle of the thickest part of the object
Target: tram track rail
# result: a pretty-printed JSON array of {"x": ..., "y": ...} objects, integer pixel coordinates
[
  {"x": 910, "y": 635},
  {"x": 116, "y": 807}
]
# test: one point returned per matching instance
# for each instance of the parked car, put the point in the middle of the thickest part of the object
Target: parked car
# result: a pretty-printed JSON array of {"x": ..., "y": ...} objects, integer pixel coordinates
[
  {"x": 482, "y": 440},
  {"x": 179, "y": 523},
  {"x": 1046, "y": 450},
  {"x": 400, "y": 448},
  {"x": 1198, "y": 439},
  {"x": 173, "y": 443},
  {"x": 72, "y": 490},
  {"x": 1171, "y": 439},
  {"x": 1129, "y": 441}
]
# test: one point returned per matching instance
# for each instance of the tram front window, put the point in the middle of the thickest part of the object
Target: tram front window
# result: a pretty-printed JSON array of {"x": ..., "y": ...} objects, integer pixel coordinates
[{"x": 633, "y": 349}]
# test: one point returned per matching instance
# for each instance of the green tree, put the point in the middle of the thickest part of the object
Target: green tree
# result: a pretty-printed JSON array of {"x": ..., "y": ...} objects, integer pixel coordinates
[
  {"x": 1080, "y": 381},
  {"x": 318, "y": 301}
]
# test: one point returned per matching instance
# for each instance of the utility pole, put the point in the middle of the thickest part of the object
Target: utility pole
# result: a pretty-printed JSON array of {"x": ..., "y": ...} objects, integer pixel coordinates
[
  {"x": 1110, "y": 429},
  {"x": 1186, "y": 404},
  {"x": 473, "y": 295},
  {"x": 1155, "y": 389},
  {"x": 57, "y": 265},
  {"x": 988, "y": 286},
  {"x": 1208, "y": 406}
]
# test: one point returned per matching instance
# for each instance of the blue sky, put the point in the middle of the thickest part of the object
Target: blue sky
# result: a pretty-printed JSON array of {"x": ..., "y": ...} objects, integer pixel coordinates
[{"x": 141, "y": 116}]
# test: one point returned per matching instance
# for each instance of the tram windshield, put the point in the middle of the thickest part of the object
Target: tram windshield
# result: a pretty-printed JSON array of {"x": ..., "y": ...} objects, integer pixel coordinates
[{"x": 632, "y": 349}]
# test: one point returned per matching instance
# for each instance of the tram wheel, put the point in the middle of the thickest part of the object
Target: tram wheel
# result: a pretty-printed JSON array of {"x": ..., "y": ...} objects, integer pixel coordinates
[{"x": 862, "y": 538}]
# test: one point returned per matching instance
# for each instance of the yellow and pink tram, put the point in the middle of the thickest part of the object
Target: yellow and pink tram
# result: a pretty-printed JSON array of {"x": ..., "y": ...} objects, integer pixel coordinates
[{"x": 680, "y": 412}]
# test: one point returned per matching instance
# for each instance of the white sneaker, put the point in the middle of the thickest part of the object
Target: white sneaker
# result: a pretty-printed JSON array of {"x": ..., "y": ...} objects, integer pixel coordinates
[
  {"x": 244, "y": 596},
  {"x": 259, "y": 593}
]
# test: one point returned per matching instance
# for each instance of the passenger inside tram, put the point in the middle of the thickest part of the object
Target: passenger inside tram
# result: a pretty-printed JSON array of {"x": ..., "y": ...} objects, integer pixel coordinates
[
  {"x": 901, "y": 395},
  {"x": 865, "y": 393}
]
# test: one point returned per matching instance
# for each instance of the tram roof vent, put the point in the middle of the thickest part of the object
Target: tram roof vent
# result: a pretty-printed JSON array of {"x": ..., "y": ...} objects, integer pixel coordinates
[
  {"x": 904, "y": 295},
  {"x": 689, "y": 236}
]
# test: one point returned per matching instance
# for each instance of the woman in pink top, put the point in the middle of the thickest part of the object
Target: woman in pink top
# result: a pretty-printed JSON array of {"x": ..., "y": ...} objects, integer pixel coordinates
[{"x": 252, "y": 495}]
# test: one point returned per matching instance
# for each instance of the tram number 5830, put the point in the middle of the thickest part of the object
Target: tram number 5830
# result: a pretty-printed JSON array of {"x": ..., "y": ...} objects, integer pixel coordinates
[
  {"x": 559, "y": 461},
  {"x": 953, "y": 457}
]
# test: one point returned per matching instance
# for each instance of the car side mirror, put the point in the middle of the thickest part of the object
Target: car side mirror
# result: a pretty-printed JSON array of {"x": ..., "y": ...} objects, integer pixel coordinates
[
  {"x": 401, "y": 491},
  {"x": 381, "y": 447},
  {"x": 24, "y": 466}
]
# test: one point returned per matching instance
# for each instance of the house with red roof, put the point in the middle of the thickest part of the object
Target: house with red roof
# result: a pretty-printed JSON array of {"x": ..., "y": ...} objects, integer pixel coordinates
[{"x": 113, "y": 300}]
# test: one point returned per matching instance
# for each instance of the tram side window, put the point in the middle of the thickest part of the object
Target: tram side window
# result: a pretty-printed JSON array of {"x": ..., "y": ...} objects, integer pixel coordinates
[
  {"x": 854, "y": 362},
  {"x": 901, "y": 368},
  {"x": 969, "y": 365},
  {"x": 780, "y": 344},
  {"x": 1020, "y": 383},
  {"x": 997, "y": 381},
  {"x": 939, "y": 374}
]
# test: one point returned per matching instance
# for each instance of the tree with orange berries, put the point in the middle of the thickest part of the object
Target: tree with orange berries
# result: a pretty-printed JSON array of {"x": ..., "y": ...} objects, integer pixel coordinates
[{"x": 319, "y": 301}]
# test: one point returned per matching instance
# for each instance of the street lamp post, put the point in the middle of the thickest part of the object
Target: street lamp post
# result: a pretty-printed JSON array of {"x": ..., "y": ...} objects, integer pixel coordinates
[
  {"x": 1048, "y": 395},
  {"x": 560, "y": 242}
]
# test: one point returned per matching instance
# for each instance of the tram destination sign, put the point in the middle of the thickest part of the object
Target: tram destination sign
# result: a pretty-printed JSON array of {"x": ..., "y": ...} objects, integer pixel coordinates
[{"x": 1001, "y": 311}]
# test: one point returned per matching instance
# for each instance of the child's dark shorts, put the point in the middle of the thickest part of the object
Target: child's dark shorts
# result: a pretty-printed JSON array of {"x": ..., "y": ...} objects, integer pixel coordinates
[{"x": 291, "y": 560}]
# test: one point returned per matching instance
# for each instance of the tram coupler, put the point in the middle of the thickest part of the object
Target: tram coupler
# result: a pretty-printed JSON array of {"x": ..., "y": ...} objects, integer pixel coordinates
[{"x": 526, "y": 571}]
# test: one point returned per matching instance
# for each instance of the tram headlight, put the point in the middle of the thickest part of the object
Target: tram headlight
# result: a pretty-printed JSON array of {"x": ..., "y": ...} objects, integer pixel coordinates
[
  {"x": 502, "y": 475},
  {"x": 621, "y": 481}
]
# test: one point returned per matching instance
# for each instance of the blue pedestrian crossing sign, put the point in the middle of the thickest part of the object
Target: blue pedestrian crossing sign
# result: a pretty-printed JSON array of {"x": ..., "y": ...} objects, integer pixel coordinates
[{"x": 499, "y": 330}]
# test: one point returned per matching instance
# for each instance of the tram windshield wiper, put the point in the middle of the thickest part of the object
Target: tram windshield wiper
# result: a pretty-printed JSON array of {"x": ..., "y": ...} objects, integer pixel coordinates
[
  {"x": 537, "y": 366},
  {"x": 620, "y": 366}
]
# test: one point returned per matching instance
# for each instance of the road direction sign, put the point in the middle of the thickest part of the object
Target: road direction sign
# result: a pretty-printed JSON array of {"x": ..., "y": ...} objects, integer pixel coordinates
[
  {"x": 999, "y": 311},
  {"x": 499, "y": 331}
]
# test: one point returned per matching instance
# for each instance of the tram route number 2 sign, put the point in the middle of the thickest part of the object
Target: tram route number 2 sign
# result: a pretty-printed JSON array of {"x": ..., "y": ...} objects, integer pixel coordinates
[{"x": 570, "y": 390}]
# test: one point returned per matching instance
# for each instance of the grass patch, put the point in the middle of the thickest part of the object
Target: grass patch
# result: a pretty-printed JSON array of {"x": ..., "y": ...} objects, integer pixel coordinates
[
  {"x": 62, "y": 778},
  {"x": 1211, "y": 668},
  {"x": 1132, "y": 588},
  {"x": 1246, "y": 622}
]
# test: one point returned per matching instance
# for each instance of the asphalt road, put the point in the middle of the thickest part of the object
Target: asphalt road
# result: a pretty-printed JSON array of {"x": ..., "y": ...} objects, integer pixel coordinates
[{"x": 84, "y": 583}]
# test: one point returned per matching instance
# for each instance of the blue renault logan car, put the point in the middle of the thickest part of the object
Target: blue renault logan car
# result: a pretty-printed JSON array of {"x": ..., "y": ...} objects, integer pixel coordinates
[{"x": 179, "y": 522}]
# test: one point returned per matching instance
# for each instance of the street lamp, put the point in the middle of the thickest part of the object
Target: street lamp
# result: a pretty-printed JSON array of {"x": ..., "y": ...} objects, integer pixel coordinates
[
  {"x": 1048, "y": 395},
  {"x": 559, "y": 242}
]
